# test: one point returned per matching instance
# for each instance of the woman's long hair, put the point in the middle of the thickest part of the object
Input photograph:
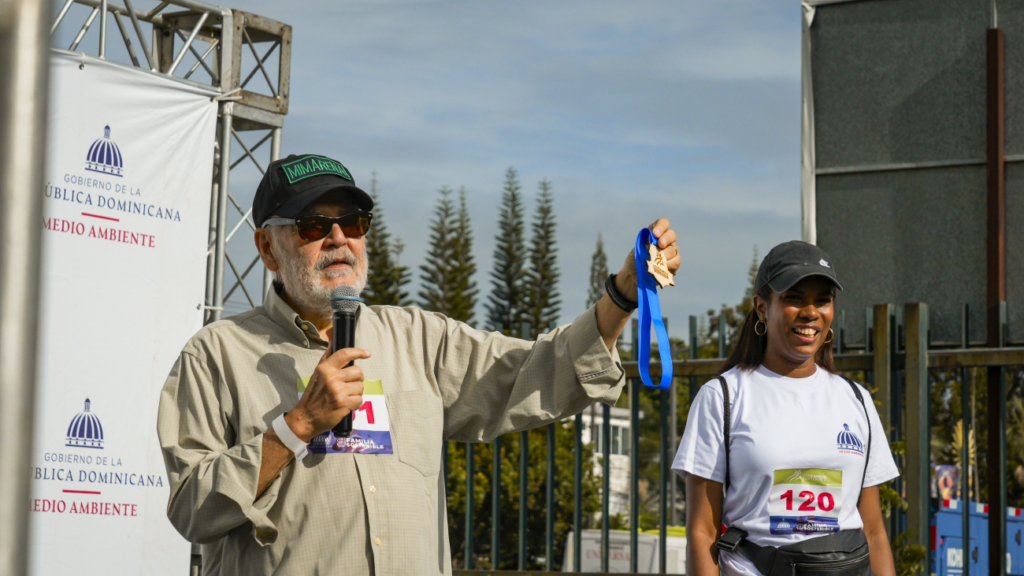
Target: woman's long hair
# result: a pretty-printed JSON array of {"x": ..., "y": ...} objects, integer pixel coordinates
[{"x": 748, "y": 350}]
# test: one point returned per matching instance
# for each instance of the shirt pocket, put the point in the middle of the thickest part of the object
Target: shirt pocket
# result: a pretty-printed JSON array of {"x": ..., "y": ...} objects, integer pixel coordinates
[{"x": 417, "y": 419}]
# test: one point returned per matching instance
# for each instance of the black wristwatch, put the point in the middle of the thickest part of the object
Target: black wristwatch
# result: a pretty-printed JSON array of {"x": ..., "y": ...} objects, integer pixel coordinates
[{"x": 617, "y": 297}]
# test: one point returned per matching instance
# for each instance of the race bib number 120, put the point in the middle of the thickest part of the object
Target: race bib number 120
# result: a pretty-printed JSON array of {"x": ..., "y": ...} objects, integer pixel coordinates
[{"x": 806, "y": 501}]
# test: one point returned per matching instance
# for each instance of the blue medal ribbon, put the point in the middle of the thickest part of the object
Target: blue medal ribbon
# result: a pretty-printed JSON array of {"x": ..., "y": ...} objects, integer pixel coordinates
[{"x": 650, "y": 312}]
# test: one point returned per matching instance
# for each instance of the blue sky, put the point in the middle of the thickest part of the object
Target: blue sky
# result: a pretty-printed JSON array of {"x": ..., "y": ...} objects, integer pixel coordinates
[{"x": 633, "y": 110}]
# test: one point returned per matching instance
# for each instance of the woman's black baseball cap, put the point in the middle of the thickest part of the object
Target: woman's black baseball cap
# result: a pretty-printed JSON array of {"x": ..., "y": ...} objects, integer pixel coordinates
[
  {"x": 791, "y": 262},
  {"x": 292, "y": 183}
]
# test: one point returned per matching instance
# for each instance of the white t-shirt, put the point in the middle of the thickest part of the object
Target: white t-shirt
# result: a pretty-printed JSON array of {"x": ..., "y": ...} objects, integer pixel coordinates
[{"x": 797, "y": 450}]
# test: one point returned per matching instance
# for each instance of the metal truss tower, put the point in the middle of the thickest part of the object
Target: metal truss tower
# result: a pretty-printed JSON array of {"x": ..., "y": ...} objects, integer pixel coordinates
[{"x": 246, "y": 59}]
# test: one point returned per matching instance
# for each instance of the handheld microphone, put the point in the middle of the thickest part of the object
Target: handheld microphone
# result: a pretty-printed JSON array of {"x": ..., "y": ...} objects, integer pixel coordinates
[{"x": 344, "y": 301}]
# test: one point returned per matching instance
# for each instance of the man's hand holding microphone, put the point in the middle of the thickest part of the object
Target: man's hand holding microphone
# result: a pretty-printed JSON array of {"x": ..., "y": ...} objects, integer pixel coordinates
[{"x": 335, "y": 390}]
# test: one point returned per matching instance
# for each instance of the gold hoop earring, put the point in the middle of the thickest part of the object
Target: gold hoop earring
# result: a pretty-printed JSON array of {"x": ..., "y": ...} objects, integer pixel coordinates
[
  {"x": 761, "y": 322},
  {"x": 831, "y": 336}
]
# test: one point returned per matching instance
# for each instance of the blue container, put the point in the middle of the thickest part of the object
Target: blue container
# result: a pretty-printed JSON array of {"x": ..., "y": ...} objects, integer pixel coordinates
[
  {"x": 1014, "y": 538},
  {"x": 947, "y": 550}
]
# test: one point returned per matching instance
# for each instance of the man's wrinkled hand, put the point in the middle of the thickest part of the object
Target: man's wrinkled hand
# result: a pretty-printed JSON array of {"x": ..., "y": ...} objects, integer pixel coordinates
[
  {"x": 333, "y": 392},
  {"x": 626, "y": 281}
]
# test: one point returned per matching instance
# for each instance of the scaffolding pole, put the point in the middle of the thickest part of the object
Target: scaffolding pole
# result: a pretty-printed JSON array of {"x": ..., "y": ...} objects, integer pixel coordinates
[{"x": 24, "y": 51}]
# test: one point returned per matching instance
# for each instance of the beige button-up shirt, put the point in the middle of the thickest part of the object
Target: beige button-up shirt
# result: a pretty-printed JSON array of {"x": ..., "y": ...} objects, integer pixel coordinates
[{"x": 354, "y": 513}]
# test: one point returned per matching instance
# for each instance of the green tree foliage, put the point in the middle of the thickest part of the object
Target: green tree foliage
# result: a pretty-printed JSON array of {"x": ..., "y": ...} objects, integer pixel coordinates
[
  {"x": 543, "y": 301},
  {"x": 464, "y": 266},
  {"x": 437, "y": 274},
  {"x": 507, "y": 303},
  {"x": 447, "y": 275},
  {"x": 598, "y": 273},
  {"x": 387, "y": 278},
  {"x": 536, "y": 494}
]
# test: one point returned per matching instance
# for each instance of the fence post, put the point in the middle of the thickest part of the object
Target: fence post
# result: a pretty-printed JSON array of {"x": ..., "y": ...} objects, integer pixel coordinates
[
  {"x": 524, "y": 476},
  {"x": 882, "y": 373},
  {"x": 694, "y": 385},
  {"x": 606, "y": 470},
  {"x": 634, "y": 460},
  {"x": 996, "y": 449},
  {"x": 966, "y": 425},
  {"x": 496, "y": 504},
  {"x": 524, "y": 473},
  {"x": 577, "y": 489},
  {"x": 549, "y": 519},
  {"x": 918, "y": 460},
  {"x": 470, "y": 504},
  {"x": 634, "y": 468}
]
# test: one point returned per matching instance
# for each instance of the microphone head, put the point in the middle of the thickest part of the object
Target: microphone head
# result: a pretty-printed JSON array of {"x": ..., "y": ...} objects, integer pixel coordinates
[{"x": 345, "y": 298}]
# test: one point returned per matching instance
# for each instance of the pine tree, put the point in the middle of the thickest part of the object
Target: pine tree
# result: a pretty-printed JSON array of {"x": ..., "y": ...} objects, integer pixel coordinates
[
  {"x": 598, "y": 273},
  {"x": 508, "y": 298},
  {"x": 463, "y": 265},
  {"x": 386, "y": 277},
  {"x": 543, "y": 275},
  {"x": 747, "y": 304},
  {"x": 437, "y": 273}
]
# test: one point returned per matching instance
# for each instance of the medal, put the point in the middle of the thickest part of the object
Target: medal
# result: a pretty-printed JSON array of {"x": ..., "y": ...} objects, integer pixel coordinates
[
  {"x": 657, "y": 266},
  {"x": 651, "y": 271}
]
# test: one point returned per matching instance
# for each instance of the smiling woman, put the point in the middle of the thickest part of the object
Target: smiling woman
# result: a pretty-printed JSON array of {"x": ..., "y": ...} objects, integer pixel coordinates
[
  {"x": 789, "y": 328},
  {"x": 807, "y": 453}
]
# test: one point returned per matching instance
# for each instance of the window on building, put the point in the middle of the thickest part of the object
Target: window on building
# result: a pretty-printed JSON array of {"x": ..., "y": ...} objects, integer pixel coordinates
[{"x": 619, "y": 437}]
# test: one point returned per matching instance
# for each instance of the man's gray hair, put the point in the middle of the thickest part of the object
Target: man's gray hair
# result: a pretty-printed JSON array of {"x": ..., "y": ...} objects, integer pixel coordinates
[{"x": 272, "y": 231}]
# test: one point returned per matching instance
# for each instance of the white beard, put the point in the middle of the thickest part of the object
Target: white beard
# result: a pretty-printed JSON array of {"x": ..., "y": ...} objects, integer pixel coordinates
[{"x": 303, "y": 280}]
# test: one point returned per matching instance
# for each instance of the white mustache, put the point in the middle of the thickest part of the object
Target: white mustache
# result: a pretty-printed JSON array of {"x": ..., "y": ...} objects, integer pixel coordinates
[{"x": 328, "y": 259}]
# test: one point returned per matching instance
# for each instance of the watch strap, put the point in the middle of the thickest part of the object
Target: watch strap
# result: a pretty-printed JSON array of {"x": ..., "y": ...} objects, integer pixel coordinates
[{"x": 289, "y": 438}]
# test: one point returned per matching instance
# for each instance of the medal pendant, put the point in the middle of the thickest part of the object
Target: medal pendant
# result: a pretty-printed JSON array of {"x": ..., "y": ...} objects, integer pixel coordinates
[{"x": 657, "y": 266}]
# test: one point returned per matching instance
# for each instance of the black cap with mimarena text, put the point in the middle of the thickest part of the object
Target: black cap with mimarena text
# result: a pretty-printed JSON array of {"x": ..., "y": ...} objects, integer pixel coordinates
[
  {"x": 292, "y": 183},
  {"x": 791, "y": 262}
]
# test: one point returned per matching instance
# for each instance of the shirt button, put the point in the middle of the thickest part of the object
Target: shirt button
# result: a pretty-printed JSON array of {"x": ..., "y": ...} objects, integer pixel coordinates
[
  {"x": 373, "y": 489},
  {"x": 377, "y": 540}
]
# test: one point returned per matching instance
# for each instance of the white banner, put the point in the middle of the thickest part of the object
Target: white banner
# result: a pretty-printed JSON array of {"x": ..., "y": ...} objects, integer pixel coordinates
[{"x": 127, "y": 200}]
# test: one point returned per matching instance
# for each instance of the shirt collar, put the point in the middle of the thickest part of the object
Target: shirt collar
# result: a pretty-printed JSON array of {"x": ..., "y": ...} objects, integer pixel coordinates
[{"x": 282, "y": 313}]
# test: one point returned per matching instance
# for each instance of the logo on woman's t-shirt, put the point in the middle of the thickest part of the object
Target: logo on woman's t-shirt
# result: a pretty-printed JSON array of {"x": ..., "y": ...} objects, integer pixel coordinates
[{"x": 848, "y": 442}]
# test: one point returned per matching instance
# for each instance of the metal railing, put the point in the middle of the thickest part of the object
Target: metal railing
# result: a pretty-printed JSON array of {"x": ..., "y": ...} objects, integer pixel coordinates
[{"x": 894, "y": 361}]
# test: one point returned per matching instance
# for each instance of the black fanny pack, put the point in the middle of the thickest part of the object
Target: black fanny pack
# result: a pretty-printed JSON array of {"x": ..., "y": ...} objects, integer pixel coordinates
[{"x": 844, "y": 553}]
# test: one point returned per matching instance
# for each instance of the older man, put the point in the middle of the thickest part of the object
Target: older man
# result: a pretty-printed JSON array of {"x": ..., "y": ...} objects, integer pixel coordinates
[{"x": 249, "y": 392}]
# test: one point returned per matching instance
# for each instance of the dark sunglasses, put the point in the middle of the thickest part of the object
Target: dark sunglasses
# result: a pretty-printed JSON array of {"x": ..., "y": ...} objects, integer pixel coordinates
[{"x": 310, "y": 228}]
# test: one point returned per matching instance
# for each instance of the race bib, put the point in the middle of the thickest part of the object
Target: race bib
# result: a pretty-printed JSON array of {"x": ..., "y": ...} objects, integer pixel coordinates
[
  {"x": 806, "y": 501},
  {"x": 371, "y": 428}
]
